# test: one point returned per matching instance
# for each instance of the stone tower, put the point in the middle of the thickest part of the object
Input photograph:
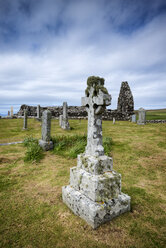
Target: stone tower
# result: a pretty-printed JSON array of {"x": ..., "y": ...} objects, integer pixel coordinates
[{"x": 125, "y": 100}]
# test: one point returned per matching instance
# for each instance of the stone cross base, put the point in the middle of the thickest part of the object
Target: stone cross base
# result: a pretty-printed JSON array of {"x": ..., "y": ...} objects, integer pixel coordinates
[
  {"x": 46, "y": 145},
  {"x": 95, "y": 213},
  {"x": 95, "y": 165},
  {"x": 99, "y": 188},
  {"x": 94, "y": 192},
  {"x": 25, "y": 128}
]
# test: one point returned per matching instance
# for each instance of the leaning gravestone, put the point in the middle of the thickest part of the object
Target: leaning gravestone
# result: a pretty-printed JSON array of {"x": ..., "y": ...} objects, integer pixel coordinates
[
  {"x": 64, "y": 119},
  {"x": 46, "y": 142},
  {"x": 25, "y": 119},
  {"x": 141, "y": 116},
  {"x": 133, "y": 118},
  {"x": 94, "y": 192}
]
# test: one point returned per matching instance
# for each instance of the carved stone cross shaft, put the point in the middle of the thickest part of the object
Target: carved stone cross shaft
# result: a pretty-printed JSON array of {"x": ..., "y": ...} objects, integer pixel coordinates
[{"x": 95, "y": 103}]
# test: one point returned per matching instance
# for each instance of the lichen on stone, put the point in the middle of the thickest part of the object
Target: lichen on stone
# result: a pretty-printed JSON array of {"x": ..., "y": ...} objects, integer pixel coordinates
[{"x": 97, "y": 83}]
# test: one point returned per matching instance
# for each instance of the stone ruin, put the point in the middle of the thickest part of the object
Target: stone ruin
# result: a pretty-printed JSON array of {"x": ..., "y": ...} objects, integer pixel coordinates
[
  {"x": 124, "y": 111},
  {"x": 63, "y": 119},
  {"x": 125, "y": 101},
  {"x": 94, "y": 192}
]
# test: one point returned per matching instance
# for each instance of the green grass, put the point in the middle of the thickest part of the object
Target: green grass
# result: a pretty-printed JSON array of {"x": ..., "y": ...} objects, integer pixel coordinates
[
  {"x": 34, "y": 152},
  {"x": 155, "y": 114},
  {"x": 32, "y": 213},
  {"x": 71, "y": 146}
]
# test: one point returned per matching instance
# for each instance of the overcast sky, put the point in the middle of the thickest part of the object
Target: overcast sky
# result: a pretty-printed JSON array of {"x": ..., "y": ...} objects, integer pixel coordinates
[{"x": 48, "y": 49}]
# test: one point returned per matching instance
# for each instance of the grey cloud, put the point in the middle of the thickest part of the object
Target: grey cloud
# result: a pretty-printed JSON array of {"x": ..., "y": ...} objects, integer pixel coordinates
[{"x": 58, "y": 44}]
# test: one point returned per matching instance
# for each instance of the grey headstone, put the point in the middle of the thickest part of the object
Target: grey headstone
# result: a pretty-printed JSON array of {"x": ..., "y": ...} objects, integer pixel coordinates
[
  {"x": 38, "y": 112},
  {"x": 60, "y": 120},
  {"x": 25, "y": 119},
  {"x": 11, "y": 112},
  {"x": 46, "y": 142},
  {"x": 113, "y": 120},
  {"x": 133, "y": 118},
  {"x": 64, "y": 123},
  {"x": 141, "y": 116},
  {"x": 94, "y": 192},
  {"x": 8, "y": 113}
]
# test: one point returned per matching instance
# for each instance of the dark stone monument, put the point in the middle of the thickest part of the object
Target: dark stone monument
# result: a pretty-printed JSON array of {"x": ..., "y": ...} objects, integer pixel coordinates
[{"x": 125, "y": 100}]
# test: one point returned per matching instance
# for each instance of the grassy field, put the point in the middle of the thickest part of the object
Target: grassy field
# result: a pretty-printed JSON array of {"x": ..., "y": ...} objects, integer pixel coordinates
[
  {"x": 159, "y": 114},
  {"x": 32, "y": 213}
]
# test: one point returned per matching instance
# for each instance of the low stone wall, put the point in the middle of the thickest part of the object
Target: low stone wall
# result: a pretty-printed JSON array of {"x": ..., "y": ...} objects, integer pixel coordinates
[
  {"x": 74, "y": 112},
  {"x": 155, "y": 121}
]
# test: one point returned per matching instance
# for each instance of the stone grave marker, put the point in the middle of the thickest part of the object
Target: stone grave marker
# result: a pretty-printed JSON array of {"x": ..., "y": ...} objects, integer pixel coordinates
[
  {"x": 8, "y": 113},
  {"x": 64, "y": 123},
  {"x": 11, "y": 112},
  {"x": 141, "y": 116},
  {"x": 133, "y": 118},
  {"x": 113, "y": 120},
  {"x": 46, "y": 142},
  {"x": 38, "y": 112},
  {"x": 25, "y": 119},
  {"x": 94, "y": 192},
  {"x": 60, "y": 120}
]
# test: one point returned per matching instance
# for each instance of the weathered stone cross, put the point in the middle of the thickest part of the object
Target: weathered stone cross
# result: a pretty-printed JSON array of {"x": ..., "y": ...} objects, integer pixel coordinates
[{"x": 95, "y": 103}]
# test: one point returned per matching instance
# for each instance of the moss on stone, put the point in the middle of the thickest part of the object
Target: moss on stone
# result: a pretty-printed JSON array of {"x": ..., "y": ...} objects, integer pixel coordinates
[
  {"x": 97, "y": 83},
  {"x": 84, "y": 162}
]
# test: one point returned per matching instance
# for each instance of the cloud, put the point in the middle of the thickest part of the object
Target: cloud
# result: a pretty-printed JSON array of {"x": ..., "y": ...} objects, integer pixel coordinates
[{"x": 49, "y": 48}]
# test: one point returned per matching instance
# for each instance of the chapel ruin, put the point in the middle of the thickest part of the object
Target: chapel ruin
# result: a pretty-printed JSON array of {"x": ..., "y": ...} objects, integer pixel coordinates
[{"x": 124, "y": 111}]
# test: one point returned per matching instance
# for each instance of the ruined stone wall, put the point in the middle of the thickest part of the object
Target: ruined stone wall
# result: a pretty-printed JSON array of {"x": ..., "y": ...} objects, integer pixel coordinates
[
  {"x": 74, "y": 112},
  {"x": 125, "y": 101},
  {"x": 124, "y": 110}
]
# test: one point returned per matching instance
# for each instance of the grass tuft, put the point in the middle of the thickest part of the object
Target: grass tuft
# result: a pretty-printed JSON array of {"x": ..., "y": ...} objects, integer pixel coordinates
[
  {"x": 34, "y": 152},
  {"x": 71, "y": 146}
]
